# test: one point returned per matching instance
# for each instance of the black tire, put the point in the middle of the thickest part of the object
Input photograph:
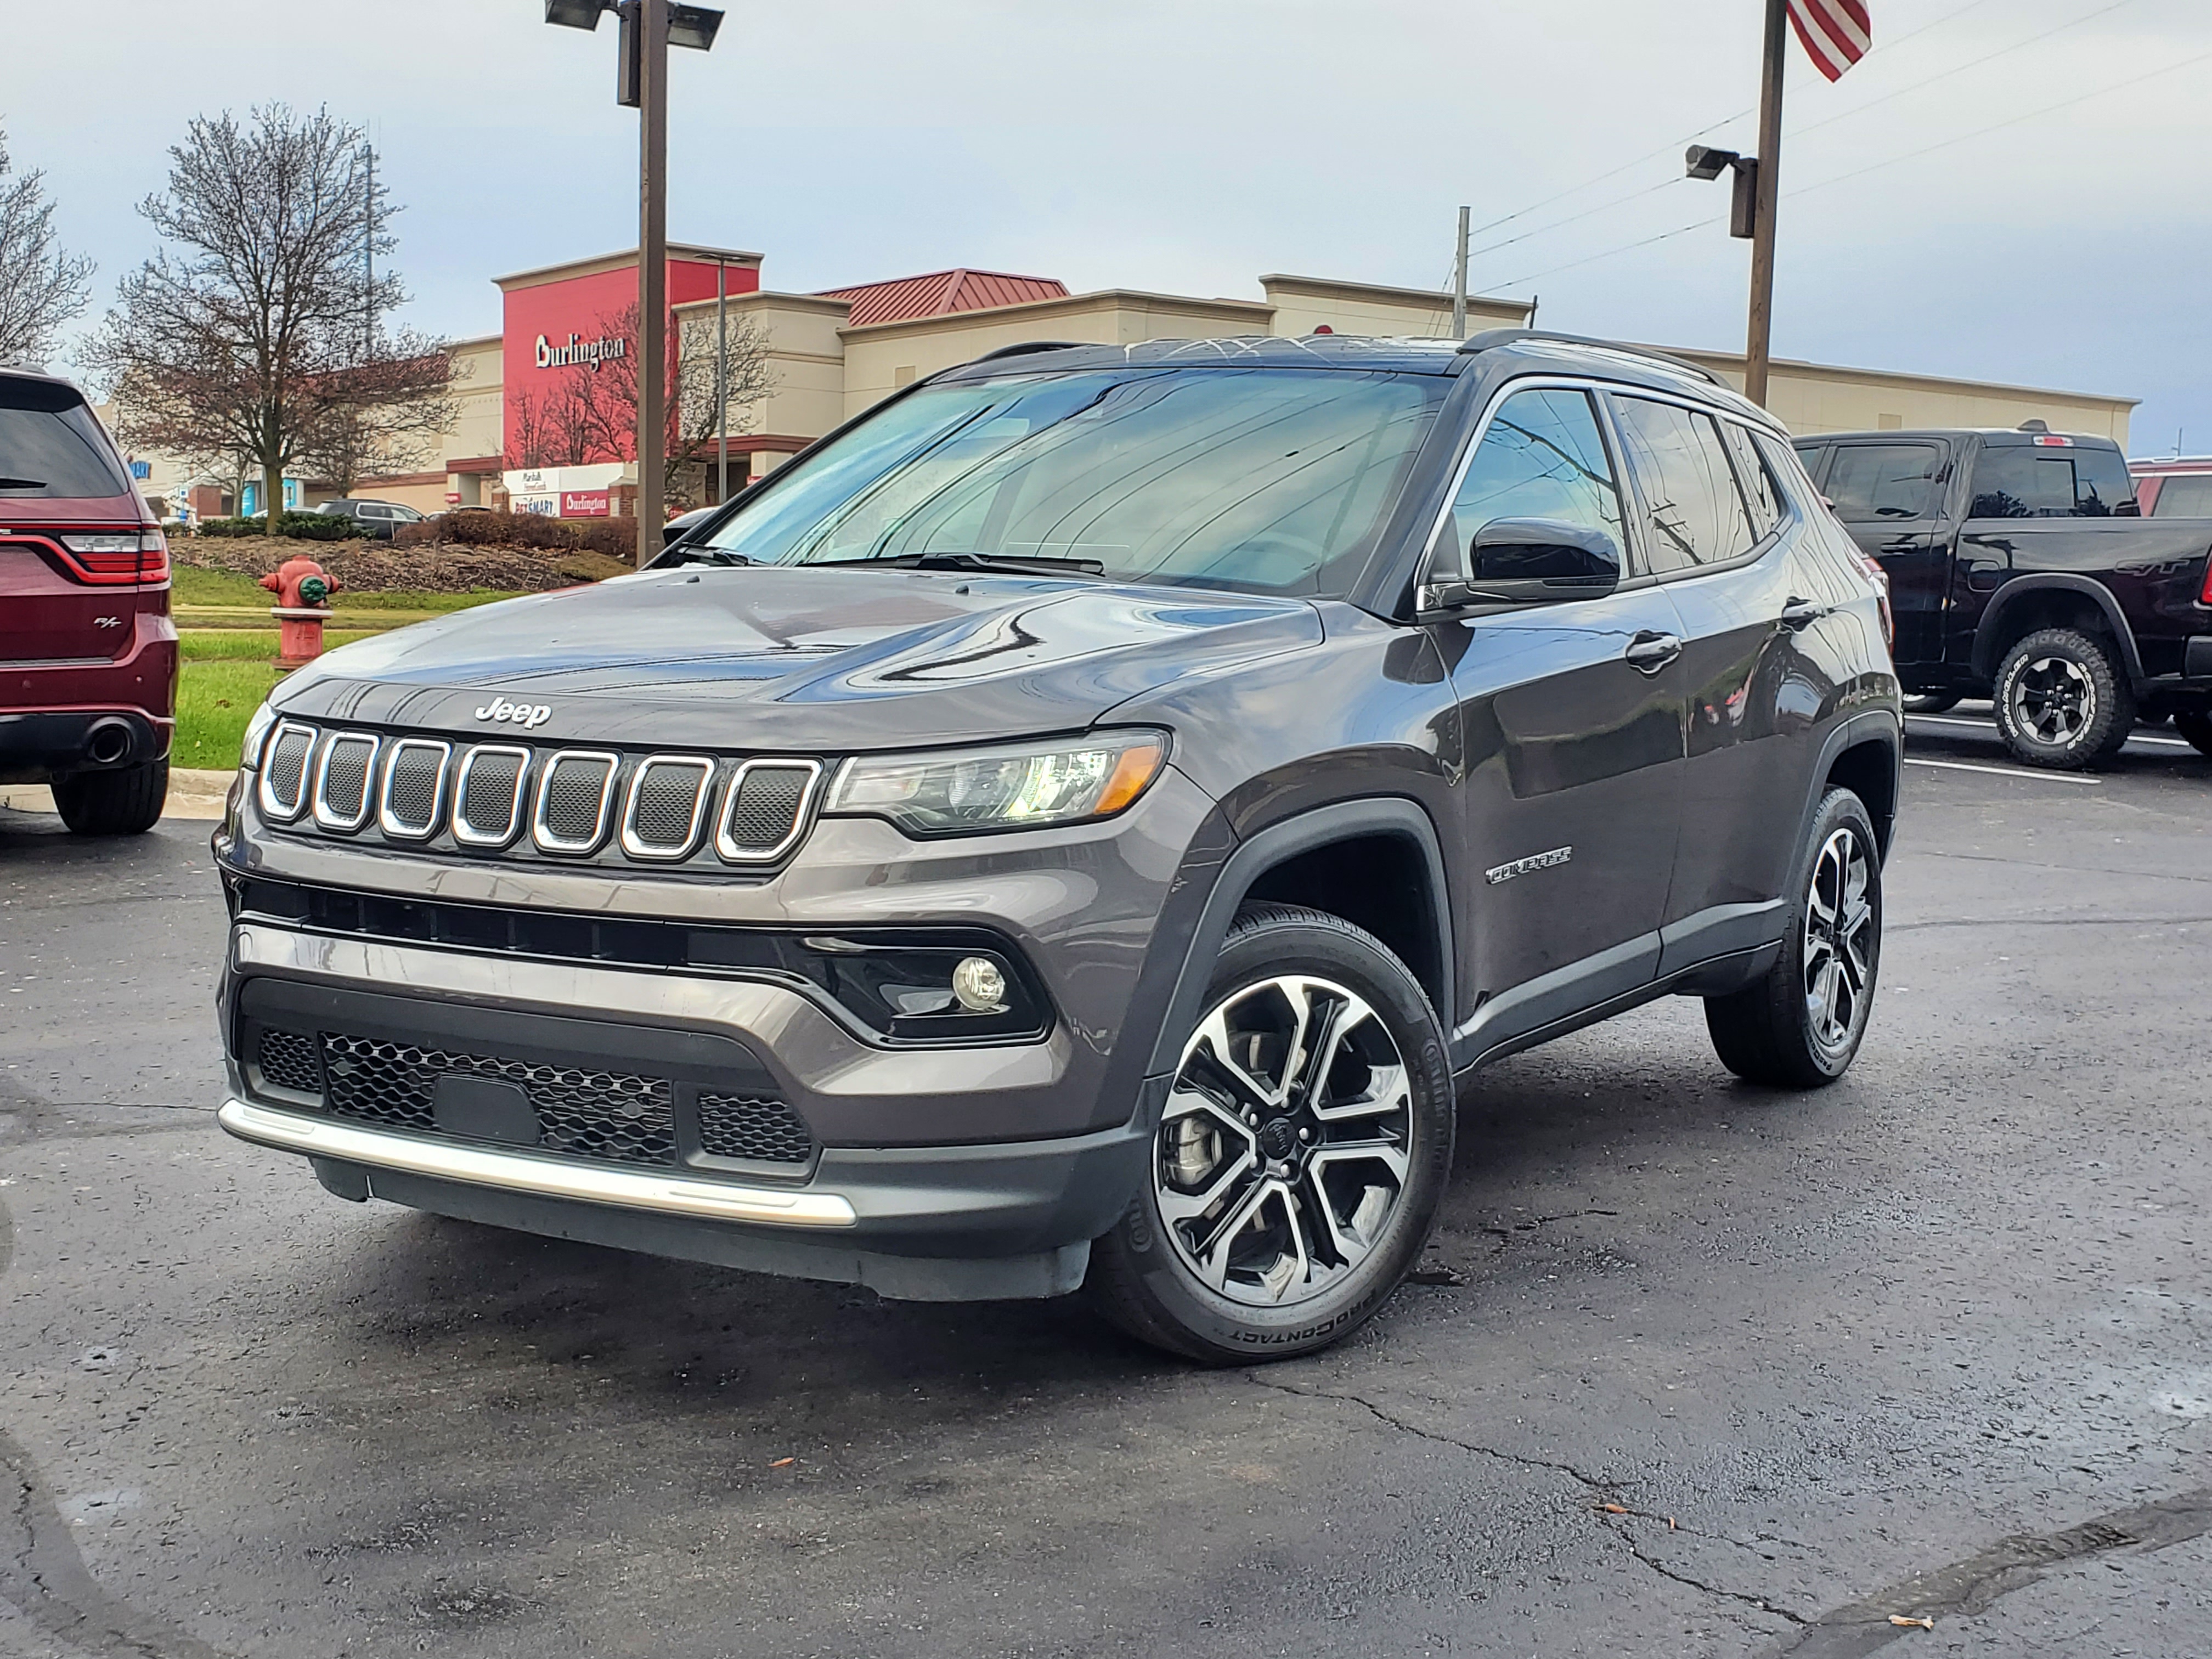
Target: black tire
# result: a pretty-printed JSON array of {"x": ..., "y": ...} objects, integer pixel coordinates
[
  {"x": 1930, "y": 702},
  {"x": 2062, "y": 700},
  {"x": 2195, "y": 725},
  {"x": 1777, "y": 1031},
  {"x": 126, "y": 801},
  {"x": 1150, "y": 1275}
]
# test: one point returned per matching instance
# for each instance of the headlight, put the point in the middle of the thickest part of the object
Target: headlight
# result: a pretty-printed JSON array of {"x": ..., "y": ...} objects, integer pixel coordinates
[
  {"x": 257, "y": 733},
  {"x": 1014, "y": 788}
]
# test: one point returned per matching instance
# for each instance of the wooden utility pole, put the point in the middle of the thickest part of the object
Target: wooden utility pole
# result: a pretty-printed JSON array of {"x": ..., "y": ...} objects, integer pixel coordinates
[
  {"x": 1459, "y": 282},
  {"x": 1769, "y": 177},
  {"x": 652, "y": 275}
]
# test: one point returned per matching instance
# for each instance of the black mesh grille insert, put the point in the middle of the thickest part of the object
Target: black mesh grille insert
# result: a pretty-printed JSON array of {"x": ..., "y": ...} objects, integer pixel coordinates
[
  {"x": 575, "y": 792},
  {"x": 345, "y": 777},
  {"x": 612, "y": 1116},
  {"x": 765, "y": 807},
  {"x": 746, "y": 1126},
  {"x": 487, "y": 809},
  {"x": 290, "y": 1062},
  {"x": 410, "y": 786},
  {"x": 667, "y": 800},
  {"x": 288, "y": 767}
]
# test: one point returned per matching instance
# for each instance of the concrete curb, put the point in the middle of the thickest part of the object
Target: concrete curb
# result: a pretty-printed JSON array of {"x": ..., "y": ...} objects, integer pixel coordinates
[{"x": 193, "y": 793}]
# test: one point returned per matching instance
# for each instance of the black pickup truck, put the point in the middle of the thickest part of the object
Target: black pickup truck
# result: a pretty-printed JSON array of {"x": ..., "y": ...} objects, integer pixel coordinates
[{"x": 2020, "y": 569}]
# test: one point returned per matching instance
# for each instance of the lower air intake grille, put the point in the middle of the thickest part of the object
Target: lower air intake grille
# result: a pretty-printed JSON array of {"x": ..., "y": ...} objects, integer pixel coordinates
[
  {"x": 608, "y": 1116},
  {"x": 745, "y": 1125},
  {"x": 290, "y": 1060},
  {"x": 767, "y": 802},
  {"x": 489, "y": 809}
]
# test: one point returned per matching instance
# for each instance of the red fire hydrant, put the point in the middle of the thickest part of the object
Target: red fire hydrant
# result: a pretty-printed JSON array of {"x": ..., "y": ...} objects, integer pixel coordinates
[{"x": 303, "y": 589}]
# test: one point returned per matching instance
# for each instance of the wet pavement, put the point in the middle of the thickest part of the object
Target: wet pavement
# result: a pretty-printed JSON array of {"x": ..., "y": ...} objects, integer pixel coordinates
[{"x": 1702, "y": 1369}]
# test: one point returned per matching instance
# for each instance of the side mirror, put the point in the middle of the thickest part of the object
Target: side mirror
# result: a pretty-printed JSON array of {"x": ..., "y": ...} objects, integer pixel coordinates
[{"x": 1530, "y": 562}]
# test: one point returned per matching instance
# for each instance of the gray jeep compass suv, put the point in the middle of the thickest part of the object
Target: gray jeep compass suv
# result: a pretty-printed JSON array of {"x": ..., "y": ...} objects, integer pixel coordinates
[{"x": 1076, "y": 825}]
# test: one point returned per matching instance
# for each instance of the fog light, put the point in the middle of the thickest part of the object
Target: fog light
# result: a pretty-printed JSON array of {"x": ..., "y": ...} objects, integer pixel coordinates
[{"x": 979, "y": 984}]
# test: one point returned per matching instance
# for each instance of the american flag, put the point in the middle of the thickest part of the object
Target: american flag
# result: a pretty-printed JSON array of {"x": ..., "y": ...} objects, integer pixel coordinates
[{"x": 1836, "y": 34}]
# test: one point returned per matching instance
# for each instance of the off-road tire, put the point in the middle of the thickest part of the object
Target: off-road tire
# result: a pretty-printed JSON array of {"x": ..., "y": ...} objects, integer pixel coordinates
[
  {"x": 1146, "y": 1284},
  {"x": 126, "y": 801},
  {"x": 2195, "y": 725},
  {"x": 1930, "y": 702},
  {"x": 1769, "y": 1032},
  {"x": 2086, "y": 664}
]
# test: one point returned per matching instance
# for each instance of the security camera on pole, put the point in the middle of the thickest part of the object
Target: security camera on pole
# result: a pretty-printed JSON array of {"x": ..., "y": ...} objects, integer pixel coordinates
[
  {"x": 1835, "y": 35},
  {"x": 648, "y": 28}
]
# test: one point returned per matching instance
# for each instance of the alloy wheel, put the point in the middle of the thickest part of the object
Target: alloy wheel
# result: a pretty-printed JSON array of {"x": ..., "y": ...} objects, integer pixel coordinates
[
  {"x": 2053, "y": 700},
  {"x": 1284, "y": 1148},
  {"x": 1840, "y": 940}
]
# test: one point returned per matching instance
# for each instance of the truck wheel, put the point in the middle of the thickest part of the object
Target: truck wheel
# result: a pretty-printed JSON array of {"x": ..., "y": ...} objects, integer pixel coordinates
[
  {"x": 1800, "y": 1025},
  {"x": 2195, "y": 725},
  {"x": 125, "y": 802},
  {"x": 2063, "y": 700},
  {"x": 1302, "y": 1155},
  {"x": 1930, "y": 702}
]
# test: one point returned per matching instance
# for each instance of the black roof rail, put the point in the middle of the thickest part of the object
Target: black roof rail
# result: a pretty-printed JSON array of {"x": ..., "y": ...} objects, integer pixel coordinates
[
  {"x": 1491, "y": 338},
  {"x": 1026, "y": 347}
]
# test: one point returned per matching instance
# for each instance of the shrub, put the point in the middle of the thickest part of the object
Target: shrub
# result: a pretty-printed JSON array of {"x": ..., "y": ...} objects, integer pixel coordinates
[
  {"x": 315, "y": 526},
  {"x": 614, "y": 537},
  {"x": 233, "y": 527}
]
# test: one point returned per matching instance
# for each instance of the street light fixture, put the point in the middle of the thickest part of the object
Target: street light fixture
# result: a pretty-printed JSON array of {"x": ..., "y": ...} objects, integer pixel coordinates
[
  {"x": 648, "y": 28},
  {"x": 1702, "y": 162}
]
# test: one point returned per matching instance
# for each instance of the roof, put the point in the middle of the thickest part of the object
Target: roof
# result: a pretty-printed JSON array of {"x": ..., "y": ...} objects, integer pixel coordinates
[
  {"x": 1355, "y": 351},
  {"x": 940, "y": 292}
]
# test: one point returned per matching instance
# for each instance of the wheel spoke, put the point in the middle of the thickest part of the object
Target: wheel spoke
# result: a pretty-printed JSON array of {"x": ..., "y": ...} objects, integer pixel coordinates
[
  {"x": 1214, "y": 1035},
  {"x": 1388, "y": 1089},
  {"x": 1177, "y": 1206},
  {"x": 1391, "y": 1154}
]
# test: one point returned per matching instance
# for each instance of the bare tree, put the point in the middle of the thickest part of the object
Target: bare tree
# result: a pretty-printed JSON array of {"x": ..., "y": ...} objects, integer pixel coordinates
[
  {"x": 42, "y": 287},
  {"x": 589, "y": 412},
  {"x": 258, "y": 332}
]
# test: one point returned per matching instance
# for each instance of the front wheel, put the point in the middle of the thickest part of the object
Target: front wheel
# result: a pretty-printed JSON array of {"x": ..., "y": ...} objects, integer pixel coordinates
[
  {"x": 1301, "y": 1156},
  {"x": 1800, "y": 1025},
  {"x": 126, "y": 801},
  {"x": 2062, "y": 700}
]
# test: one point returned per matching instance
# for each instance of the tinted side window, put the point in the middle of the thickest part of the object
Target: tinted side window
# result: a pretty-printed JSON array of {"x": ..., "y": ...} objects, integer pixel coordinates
[
  {"x": 50, "y": 447},
  {"x": 1541, "y": 458},
  {"x": 2184, "y": 495},
  {"x": 1693, "y": 513},
  {"x": 2025, "y": 480},
  {"x": 1760, "y": 489},
  {"x": 1872, "y": 481}
]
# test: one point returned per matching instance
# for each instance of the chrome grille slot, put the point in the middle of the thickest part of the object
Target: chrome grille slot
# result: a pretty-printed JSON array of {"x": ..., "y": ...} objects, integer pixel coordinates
[
  {"x": 667, "y": 799},
  {"x": 488, "y": 795},
  {"x": 764, "y": 810},
  {"x": 284, "y": 786},
  {"x": 341, "y": 780},
  {"x": 754, "y": 1127},
  {"x": 413, "y": 799},
  {"x": 576, "y": 795}
]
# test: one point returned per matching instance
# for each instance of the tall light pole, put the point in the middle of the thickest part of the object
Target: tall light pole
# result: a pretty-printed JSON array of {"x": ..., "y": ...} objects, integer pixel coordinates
[
  {"x": 1758, "y": 188},
  {"x": 648, "y": 28}
]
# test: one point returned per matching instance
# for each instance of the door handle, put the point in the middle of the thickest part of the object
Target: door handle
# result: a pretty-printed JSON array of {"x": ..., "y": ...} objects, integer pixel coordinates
[
  {"x": 1649, "y": 653},
  {"x": 1798, "y": 613}
]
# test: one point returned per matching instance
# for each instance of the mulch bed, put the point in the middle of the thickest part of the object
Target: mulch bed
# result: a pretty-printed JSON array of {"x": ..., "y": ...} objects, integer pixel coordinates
[{"x": 378, "y": 566}]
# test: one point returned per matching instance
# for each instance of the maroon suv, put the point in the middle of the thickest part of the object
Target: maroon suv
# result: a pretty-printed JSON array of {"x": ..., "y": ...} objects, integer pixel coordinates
[{"x": 87, "y": 652}]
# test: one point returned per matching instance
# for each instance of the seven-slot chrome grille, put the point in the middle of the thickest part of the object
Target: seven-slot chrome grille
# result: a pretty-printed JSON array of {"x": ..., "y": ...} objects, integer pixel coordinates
[{"x": 560, "y": 803}]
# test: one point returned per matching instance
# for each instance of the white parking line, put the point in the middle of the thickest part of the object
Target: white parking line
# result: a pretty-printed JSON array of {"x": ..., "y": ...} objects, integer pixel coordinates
[
  {"x": 2003, "y": 771},
  {"x": 1989, "y": 727}
]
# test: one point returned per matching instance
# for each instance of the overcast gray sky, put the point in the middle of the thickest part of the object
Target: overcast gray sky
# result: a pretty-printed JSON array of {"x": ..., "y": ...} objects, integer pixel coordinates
[{"x": 1189, "y": 145}]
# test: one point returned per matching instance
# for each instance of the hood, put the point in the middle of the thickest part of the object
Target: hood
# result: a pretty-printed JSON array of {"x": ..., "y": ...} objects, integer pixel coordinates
[{"x": 799, "y": 659}]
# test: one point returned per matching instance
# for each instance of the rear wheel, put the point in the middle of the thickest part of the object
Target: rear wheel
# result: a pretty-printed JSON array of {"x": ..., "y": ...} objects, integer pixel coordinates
[
  {"x": 1304, "y": 1150},
  {"x": 2062, "y": 700},
  {"x": 1800, "y": 1026},
  {"x": 2195, "y": 725},
  {"x": 126, "y": 801}
]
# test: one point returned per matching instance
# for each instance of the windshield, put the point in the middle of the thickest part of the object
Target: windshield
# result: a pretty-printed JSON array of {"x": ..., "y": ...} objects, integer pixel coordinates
[
  {"x": 1261, "y": 479},
  {"x": 50, "y": 447}
]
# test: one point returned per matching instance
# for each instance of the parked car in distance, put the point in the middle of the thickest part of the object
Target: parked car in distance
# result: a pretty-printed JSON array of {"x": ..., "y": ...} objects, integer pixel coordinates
[
  {"x": 375, "y": 521},
  {"x": 2023, "y": 570},
  {"x": 88, "y": 650},
  {"x": 1079, "y": 824},
  {"x": 2180, "y": 488}
]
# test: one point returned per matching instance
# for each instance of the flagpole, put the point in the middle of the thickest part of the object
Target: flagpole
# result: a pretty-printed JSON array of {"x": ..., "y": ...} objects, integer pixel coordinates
[{"x": 1769, "y": 178}]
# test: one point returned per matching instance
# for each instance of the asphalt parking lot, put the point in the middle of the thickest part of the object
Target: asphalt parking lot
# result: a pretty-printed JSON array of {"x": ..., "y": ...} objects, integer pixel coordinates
[{"x": 1700, "y": 1369}]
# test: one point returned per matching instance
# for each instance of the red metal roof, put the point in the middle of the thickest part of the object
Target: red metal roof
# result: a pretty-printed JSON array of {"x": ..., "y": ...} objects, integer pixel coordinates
[{"x": 940, "y": 292}]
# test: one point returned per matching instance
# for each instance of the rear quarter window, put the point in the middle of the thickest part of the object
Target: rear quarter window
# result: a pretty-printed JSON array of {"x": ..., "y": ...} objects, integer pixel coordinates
[
  {"x": 2184, "y": 496},
  {"x": 52, "y": 447}
]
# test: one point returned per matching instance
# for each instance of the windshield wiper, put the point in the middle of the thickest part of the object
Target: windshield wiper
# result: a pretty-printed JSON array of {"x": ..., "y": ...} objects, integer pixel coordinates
[
  {"x": 1016, "y": 564},
  {"x": 22, "y": 484},
  {"x": 681, "y": 555}
]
